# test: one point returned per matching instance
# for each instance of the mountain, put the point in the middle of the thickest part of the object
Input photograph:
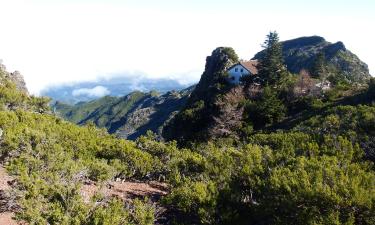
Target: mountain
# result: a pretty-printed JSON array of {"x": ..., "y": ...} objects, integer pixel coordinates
[
  {"x": 302, "y": 53},
  {"x": 258, "y": 154},
  {"x": 195, "y": 120},
  {"x": 116, "y": 86},
  {"x": 129, "y": 116},
  {"x": 217, "y": 109},
  {"x": 203, "y": 112}
]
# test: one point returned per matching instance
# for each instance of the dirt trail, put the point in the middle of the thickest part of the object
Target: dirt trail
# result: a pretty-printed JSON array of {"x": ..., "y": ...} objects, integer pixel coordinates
[
  {"x": 6, "y": 218},
  {"x": 4, "y": 178},
  {"x": 126, "y": 190}
]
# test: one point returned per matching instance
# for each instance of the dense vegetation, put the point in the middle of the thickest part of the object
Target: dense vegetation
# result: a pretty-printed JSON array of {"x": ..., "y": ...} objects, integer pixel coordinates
[
  {"x": 273, "y": 150},
  {"x": 291, "y": 153},
  {"x": 52, "y": 158}
]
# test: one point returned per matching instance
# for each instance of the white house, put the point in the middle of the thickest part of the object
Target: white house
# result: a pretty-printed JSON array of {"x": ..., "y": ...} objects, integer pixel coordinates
[{"x": 240, "y": 69}]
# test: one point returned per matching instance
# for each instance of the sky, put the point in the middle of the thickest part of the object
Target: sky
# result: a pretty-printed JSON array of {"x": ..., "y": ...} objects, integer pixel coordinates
[{"x": 53, "y": 42}]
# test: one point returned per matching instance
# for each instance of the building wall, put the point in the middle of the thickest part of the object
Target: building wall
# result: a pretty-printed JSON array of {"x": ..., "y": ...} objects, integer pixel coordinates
[{"x": 236, "y": 73}]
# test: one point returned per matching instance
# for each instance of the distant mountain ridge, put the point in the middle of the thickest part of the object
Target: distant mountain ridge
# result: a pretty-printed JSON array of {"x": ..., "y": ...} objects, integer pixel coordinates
[
  {"x": 301, "y": 53},
  {"x": 117, "y": 86},
  {"x": 129, "y": 116}
]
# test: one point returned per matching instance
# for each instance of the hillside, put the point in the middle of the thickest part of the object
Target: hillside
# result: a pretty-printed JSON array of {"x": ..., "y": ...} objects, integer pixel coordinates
[
  {"x": 276, "y": 151},
  {"x": 302, "y": 53},
  {"x": 59, "y": 173},
  {"x": 288, "y": 89},
  {"x": 129, "y": 116}
]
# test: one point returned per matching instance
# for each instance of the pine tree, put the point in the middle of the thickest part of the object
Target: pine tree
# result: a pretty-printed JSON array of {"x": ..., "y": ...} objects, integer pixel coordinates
[
  {"x": 271, "y": 66},
  {"x": 319, "y": 67}
]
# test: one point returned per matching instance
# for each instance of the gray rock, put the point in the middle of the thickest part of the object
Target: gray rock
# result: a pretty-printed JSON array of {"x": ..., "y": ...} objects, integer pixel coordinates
[
  {"x": 301, "y": 53},
  {"x": 17, "y": 78}
]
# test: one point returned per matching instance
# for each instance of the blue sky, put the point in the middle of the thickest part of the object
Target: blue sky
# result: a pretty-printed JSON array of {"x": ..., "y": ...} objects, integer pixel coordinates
[{"x": 64, "y": 41}]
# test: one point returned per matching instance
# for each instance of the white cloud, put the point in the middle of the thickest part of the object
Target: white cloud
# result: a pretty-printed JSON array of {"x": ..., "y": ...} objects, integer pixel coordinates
[{"x": 98, "y": 91}]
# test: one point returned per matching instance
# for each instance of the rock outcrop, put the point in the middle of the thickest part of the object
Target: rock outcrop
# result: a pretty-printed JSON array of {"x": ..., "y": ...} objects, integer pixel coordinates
[
  {"x": 16, "y": 77},
  {"x": 198, "y": 115},
  {"x": 301, "y": 53}
]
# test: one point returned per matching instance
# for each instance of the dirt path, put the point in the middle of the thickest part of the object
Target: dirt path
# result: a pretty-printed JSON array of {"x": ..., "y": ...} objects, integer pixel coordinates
[
  {"x": 4, "y": 178},
  {"x": 126, "y": 190},
  {"x": 6, "y": 218}
]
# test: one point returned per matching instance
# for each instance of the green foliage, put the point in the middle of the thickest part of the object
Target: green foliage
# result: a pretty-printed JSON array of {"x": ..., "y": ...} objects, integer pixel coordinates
[
  {"x": 111, "y": 213},
  {"x": 268, "y": 109},
  {"x": 298, "y": 181},
  {"x": 103, "y": 111},
  {"x": 114, "y": 212},
  {"x": 231, "y": 54},
  {"x": 51, "y": 158},
  {"x": 271, "y": 67},
  {"x": 193, "y": 112},
  {"x": 319, "y": 69},
  {"x": 143, "y": 213},
  {"x": 11, "y": 98}
]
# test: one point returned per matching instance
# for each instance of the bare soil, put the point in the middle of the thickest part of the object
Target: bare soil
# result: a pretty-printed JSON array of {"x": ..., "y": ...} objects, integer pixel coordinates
[
  {"x": 126, "y": 190},
  {"x": 6, "y": 218}
]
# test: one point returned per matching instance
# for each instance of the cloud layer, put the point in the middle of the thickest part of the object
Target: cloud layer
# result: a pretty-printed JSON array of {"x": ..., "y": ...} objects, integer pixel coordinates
[{"x": 96, "y": 92}]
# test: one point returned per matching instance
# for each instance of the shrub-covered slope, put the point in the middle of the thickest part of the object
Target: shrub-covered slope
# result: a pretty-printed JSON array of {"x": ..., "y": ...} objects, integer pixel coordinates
[{"x": 51, "y": 159}]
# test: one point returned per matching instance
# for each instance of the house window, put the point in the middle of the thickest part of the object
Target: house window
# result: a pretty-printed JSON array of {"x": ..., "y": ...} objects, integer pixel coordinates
[
  {"x": 236, "y": 70},
  {"x": 241, "y": 70}
]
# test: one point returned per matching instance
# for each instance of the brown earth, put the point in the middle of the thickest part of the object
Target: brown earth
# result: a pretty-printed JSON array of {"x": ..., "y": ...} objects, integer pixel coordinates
[
  {"x": 4, "y": 178},
  {"x": 126, "y": 190},
  {"x": 6, "y": 218}
]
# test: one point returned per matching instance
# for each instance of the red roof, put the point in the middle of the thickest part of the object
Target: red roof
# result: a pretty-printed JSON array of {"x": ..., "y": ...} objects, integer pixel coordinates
[{"x": 250, "y": 65}]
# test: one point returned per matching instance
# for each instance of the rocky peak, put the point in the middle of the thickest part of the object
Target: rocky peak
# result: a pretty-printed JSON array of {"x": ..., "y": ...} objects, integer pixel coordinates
[
  {"x": 16, "y": 77},
  {"x": 304, "y": 41},
  {"x": 215, "y": 73},
  {"x": 301, "y": 53},
  {"x": 331, "y": 50}
]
